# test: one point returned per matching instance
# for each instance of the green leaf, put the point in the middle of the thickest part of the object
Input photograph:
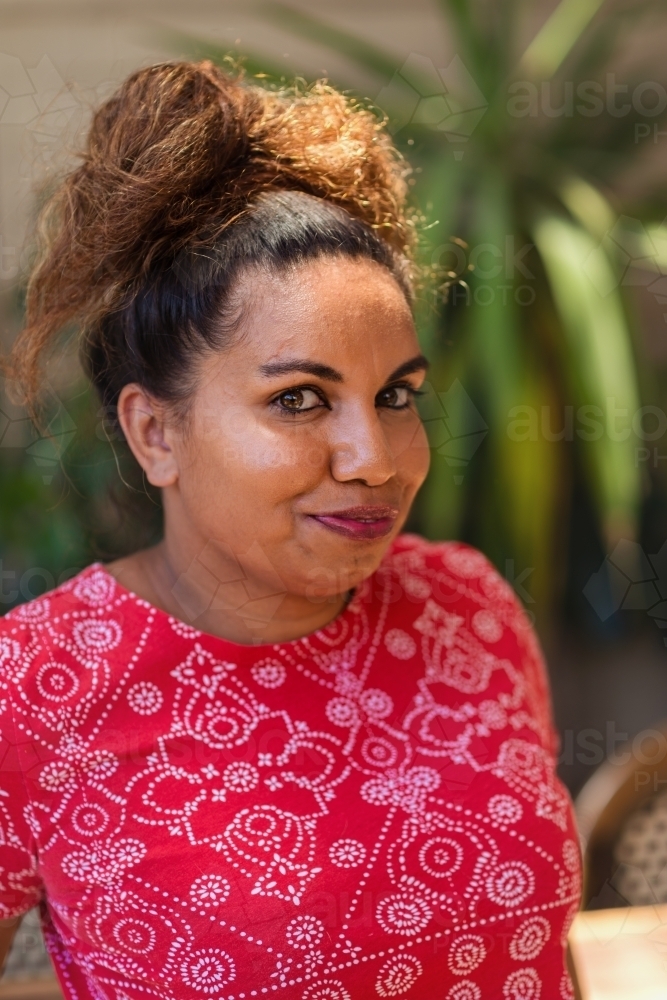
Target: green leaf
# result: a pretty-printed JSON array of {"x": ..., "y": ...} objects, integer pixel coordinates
[
  {"x": 455, "y": 430},
  {"x": 493, "y": 318},
  {"x": 494, "y": 330},
  {"x": 622, "y": 237},
  {"x": 440, "y": 191},
  {"x": 598, "y": 46},
  {"x": 459, "y": 13},
  {"x": 602, "y": 371},
  {"x": 533, "y": 465},
  {"x": 587, "y": 204},
  {"x": 557, "y": 37},
  {"x": 655, "y": 249}
]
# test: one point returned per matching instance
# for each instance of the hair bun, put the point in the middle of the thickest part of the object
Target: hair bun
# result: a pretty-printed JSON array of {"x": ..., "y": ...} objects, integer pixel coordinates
[
  {"x": 164, "y": 153},
  {"x": 179, "y": 152}
]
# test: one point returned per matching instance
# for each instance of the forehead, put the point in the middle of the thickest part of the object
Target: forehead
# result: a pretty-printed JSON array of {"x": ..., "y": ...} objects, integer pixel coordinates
[{"x": 339, "y": 309}]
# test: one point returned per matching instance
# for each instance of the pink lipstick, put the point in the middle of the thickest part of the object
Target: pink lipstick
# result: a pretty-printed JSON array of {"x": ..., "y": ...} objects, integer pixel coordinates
[{"x": 363, "y": 522}]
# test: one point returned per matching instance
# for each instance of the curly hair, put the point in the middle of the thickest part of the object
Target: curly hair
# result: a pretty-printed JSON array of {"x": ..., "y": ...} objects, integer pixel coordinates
[{"x": 177, "y": 165}]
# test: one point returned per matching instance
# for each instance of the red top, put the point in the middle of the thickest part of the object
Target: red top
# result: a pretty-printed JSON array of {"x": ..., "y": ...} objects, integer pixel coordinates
[{"x": 369, "y": 811}]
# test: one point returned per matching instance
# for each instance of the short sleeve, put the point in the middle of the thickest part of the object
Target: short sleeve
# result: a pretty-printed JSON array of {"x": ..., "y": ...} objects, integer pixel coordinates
[
  {"x": 487, "y": 679},
  {"x": 503, "y": 626},
  {"x": 20, "y": 887}
]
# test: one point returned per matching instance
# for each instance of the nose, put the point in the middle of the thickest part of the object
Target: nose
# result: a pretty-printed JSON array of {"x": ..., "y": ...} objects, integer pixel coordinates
[{"x": 360, "y": 449}]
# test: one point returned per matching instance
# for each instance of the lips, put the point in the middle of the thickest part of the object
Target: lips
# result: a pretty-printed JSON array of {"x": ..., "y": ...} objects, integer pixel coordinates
[{"x": 362, "y": 522}]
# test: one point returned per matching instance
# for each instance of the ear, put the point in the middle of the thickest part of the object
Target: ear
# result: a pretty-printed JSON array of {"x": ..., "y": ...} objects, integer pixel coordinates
[{"x": 143, "y": 422}]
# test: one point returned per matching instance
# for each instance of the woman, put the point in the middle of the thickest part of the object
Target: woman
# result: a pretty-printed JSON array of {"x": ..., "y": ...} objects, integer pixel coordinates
[{"x": 287, "y": 750}]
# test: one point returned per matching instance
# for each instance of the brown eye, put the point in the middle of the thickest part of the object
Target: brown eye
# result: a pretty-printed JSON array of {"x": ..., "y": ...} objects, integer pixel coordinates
[
  {"x": 396, "y": 397},
  {"x": 297, "y": 400},
  {"x": 292, "y": 400}
]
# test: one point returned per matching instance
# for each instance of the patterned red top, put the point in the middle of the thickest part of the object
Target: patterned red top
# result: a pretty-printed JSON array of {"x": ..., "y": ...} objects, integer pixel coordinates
[{"x": 369, "y": 811}]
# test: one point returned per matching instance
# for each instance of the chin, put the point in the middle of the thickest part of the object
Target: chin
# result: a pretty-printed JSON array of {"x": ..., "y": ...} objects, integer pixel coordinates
[{"x": 332, "y": 576}]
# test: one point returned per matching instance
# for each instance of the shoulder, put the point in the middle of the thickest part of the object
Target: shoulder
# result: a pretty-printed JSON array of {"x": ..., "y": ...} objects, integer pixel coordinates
[
  {"x": 91, "y": 590},
  {"x": 452, "y": 578},
  {"x": 455, "y": 573},
  {"x": 456, "y": 601},
  {"x": 48, "y": 642},
  {"x": 92, "y": 587}
]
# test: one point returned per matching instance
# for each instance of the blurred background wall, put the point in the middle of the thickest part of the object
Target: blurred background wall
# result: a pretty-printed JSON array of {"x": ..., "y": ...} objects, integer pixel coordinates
[{"x": 538, "y": 139}]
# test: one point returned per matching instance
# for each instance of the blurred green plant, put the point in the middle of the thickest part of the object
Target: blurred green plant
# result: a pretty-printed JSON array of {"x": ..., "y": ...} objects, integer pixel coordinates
[
  {"x": 515, "y": 154},
  {"x": 68, "y": 496}
]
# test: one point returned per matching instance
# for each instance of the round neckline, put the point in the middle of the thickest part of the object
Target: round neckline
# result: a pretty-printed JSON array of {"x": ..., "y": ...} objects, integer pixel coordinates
[{"x": 162, "y": 615}]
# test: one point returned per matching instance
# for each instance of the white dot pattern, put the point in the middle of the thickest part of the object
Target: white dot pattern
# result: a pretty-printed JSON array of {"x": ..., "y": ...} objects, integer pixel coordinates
[{"x": 369, "y": 811}]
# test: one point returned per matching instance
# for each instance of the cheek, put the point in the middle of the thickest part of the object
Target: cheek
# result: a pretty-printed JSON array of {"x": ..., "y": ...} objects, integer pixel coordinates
[
  {"x": 410, "y": 448},
  {"x": 243, "y": 456}
]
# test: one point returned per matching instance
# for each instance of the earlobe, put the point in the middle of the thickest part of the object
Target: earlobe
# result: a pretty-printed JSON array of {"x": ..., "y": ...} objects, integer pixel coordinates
[{"x": 143, "y": 422}]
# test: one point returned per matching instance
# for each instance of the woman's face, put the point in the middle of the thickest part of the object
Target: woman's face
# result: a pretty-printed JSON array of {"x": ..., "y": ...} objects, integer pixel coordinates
[{"x": 303, "y": 450}]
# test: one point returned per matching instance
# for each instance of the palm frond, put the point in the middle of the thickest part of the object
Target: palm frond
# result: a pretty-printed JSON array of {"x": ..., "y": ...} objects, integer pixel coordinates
[
  {"x": 601, "y": 367},
  {"x": 535, "y": 466},
  {"x": 556, "y": 38}
]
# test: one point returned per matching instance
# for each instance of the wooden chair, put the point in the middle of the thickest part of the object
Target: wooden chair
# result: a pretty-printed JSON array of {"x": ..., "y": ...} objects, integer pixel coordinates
[
  {"x": 28, "y": 972},
  {"x": 622, "y": 817}
]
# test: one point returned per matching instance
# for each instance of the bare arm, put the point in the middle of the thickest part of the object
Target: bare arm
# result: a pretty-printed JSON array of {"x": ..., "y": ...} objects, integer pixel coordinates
[{"x": 7, "y": 932}]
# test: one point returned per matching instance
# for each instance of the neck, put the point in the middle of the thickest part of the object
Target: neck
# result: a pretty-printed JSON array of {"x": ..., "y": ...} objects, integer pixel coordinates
[{"x": 217, "y": 592}]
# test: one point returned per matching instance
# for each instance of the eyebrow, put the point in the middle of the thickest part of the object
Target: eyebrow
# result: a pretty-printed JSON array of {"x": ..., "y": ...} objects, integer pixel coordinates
[
  {"x": 416, "y": 364},
  {"x": 274, "y": 368}
]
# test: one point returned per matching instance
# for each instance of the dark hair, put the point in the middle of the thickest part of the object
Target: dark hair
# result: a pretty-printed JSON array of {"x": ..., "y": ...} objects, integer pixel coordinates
[
  {"x": 188, "y": 305},
  {"x": 190, "y": 176}
]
